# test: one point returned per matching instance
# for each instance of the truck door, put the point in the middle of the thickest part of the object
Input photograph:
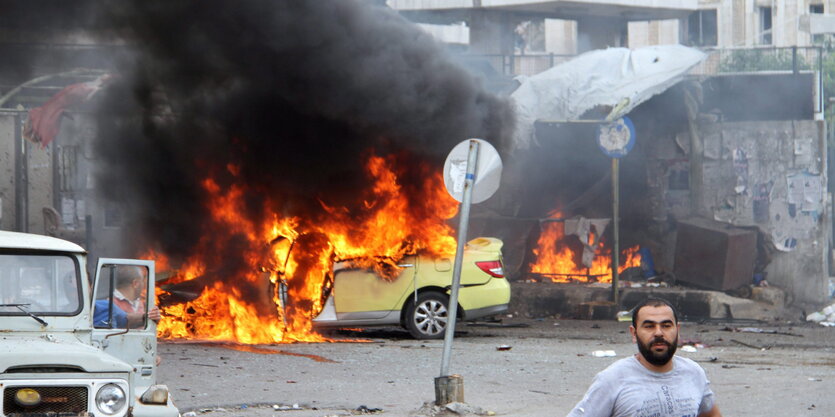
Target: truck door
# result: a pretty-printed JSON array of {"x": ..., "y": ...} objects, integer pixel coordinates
[{"x": 124, "y": 293}]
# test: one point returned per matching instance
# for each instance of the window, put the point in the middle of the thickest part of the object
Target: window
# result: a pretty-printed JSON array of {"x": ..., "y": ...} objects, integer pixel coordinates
[
  {"x": 702, "y": 28},
  {"x": 121, "y": 301},
  {"x": 765, "y": 25},
  {"x": 816, "y": 9},
  {"x": 42, "y": 284}
]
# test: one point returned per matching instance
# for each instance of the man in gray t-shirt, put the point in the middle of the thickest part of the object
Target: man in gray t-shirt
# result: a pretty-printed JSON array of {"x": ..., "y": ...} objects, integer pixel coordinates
[{"x": 654, "y": 382}]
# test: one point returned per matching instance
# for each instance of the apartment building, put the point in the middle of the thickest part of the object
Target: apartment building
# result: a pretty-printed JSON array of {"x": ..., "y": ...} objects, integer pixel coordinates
[
  {"x": 571, "y": 27},
  {"x": 742, "y": 23},
  {"x": 542, "y": 26}
]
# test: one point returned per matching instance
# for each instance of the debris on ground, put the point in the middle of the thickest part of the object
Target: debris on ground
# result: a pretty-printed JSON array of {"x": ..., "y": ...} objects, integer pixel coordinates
[
  {"x": 498, "y": 325},
  {"x": 368, "y": 410},
  {"x": 825, "y": 317},
  {"x": 750, "y": 345},
  {"x": 430, "y": 409},
  {"x": 286, "y": 407},
  {"x": 504, "y": 347},
  {"x": 758, "y": 330},
  {"x": 603, "y": 353},
  {"x": 624, "y": 316}
]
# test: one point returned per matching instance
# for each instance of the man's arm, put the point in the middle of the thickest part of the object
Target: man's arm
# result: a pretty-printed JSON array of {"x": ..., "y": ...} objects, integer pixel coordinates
[
  {"x": 714, "y": 412},
  {"x": 137, "y": 320}
]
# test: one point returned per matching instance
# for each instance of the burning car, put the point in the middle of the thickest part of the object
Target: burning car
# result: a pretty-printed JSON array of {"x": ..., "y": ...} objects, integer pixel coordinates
[
  {"x": 418, "y": 297},
  {"x": 56, "y": 359}
]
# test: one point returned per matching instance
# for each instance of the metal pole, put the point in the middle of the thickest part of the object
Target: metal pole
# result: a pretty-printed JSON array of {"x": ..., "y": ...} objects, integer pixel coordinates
[
  {"x": 615, "y": 208},
  {"x": 794, "y": 60},
  {"x": 469, "y": 179},
  {"x": 21, "y": 177}
]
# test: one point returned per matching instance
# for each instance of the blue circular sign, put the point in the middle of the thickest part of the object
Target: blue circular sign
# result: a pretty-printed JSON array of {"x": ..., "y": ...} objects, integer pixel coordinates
[{"x": 617, "y": 138}]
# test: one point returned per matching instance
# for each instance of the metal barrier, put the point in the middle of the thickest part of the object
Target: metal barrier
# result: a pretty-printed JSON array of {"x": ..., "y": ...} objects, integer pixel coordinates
[
  {"x": 760, "y": 59},
  {"x": 725, "y": 60}
]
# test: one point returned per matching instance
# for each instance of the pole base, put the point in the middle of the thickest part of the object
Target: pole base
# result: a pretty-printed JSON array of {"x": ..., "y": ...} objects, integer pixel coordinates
[{"x": 449, "y": 389}]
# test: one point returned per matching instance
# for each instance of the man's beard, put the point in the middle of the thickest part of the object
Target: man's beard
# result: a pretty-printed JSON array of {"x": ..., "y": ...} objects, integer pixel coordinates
[{"x": 658, "y": 359}]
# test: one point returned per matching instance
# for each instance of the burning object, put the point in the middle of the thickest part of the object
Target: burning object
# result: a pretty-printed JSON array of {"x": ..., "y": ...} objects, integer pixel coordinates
[
  {"x": 573, "y": 250},
  {"x": 417, "y": 298},
  {"x": 282, "y": 272}
]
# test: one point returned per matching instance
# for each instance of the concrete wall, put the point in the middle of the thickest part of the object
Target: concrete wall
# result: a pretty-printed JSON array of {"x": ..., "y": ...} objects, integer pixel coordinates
[
  {"x": 491, "y": 32},
  {"x": 40, "y": 171},
  {"x": 654, "y": 32},
  {"x": 768, "y": 175},
  {"x": 36, "y": 187},
  {"x": 7, "y": 171},
  {"x": 561, "y": 36},
  {"x": 772, "y": 175}
]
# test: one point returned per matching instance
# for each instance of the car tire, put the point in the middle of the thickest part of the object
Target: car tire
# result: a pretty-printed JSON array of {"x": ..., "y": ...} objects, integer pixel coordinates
[{"x": 428, "y": 317}]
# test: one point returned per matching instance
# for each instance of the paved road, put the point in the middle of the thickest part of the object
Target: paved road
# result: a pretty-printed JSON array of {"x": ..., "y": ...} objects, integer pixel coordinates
[{"x": 545, "y": 372}]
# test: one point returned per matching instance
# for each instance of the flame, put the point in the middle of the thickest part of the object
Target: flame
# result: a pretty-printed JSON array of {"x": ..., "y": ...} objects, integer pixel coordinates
[
  {"x": 559, "y": 260},
  {"x": 233, "y": 280}
]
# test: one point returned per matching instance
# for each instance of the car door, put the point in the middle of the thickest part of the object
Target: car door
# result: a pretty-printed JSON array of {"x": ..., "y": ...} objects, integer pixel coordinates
[
  {"x": 360, "y": 294},
  {"x": 136, "y": 343}
]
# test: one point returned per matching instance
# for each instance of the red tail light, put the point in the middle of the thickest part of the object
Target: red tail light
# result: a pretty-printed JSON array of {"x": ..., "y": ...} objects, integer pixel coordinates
[{"x": 492, "y": 268}]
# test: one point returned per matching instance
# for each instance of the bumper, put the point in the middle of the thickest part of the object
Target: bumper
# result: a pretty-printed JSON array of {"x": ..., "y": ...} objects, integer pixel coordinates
[
  {"x": 483, "y": 312},
  {"x": 75, "y": 396},
  {"x": 495, "y": 294}
]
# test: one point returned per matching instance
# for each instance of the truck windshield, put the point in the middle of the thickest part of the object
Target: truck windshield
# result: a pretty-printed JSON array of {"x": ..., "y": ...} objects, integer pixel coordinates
[{"x": 42, "y": 284}]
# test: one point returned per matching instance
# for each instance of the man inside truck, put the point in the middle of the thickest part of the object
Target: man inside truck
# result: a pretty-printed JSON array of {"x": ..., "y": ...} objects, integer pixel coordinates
[{"x": 128, "y": 301}]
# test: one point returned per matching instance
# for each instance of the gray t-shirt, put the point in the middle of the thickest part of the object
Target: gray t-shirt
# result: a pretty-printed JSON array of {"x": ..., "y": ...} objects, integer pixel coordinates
[{"x": 627, "y": 388}]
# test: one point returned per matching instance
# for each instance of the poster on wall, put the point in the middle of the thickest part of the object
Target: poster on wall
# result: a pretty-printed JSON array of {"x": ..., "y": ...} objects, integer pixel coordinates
[
  {"x": 804, "y": 193},
  {"x": 740, "y": 159},
  {"x": 803, "y": 153},
  {"x": 762, "y": 199}
]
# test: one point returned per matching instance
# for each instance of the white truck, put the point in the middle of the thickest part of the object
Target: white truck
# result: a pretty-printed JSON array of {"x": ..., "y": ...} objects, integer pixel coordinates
[{"x": 64, "y": 352}]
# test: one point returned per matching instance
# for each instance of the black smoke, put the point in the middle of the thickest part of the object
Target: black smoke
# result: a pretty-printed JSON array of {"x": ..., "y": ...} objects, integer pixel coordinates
[{"x": 287, "y": 97}]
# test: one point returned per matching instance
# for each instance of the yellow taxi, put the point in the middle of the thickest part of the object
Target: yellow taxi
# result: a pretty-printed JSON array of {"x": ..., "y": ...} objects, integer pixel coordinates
[{"x": 418, "y": 297}]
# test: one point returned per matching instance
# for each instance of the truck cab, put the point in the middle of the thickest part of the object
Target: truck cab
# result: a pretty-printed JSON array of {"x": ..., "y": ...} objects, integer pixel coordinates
[{"x": 67, "y": 347}]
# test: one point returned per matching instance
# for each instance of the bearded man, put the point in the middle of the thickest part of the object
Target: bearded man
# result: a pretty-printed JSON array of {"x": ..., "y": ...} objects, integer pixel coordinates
[{"x": 654, "y": 382}]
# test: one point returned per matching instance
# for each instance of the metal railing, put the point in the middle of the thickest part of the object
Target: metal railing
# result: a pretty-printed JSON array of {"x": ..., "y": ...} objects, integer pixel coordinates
[
  {"x": 761, "y": 59},
  {"x": 719, "y": 60},
  {"x": 794, "y": 59}
]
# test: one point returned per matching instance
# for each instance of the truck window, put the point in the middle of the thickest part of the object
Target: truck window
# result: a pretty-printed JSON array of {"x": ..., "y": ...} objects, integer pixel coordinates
[
  {"x": 121, "y": 298},
  {"x": 42, "y": 284}
]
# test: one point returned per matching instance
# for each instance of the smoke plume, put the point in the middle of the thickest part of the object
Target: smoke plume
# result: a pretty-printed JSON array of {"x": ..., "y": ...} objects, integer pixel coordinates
[{"x": 288, "y": 97}]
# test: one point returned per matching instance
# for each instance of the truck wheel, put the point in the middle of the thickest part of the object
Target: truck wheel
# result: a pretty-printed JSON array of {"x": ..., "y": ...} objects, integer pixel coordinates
[{"x": 427, "y": 318}]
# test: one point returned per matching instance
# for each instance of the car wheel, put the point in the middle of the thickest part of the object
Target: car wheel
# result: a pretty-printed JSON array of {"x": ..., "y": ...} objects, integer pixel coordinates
[{"x": 428, "y": 317}]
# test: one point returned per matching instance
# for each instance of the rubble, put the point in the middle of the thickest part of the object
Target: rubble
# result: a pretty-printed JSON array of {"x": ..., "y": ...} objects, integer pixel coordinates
[
  {"x": 430, "y": 409},
  {"x": 825, "y": 317}
]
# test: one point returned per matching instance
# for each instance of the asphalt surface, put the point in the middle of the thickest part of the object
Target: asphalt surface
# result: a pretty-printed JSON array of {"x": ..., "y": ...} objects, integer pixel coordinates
[{"x": 756, "y": 369}]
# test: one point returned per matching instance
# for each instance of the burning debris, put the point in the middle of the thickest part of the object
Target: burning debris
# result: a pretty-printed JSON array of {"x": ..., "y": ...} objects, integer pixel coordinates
[
  {"x": 254, "y": 145},
  {"x": 572, "y": 250}
]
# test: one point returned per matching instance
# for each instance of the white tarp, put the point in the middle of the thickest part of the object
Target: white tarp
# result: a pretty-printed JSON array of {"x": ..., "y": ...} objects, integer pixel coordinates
[{"x": 600, "y": 77}]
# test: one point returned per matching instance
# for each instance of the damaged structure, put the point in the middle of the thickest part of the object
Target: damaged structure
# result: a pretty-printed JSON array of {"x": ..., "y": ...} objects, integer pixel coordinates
[{"x": 726, "y": 184}]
